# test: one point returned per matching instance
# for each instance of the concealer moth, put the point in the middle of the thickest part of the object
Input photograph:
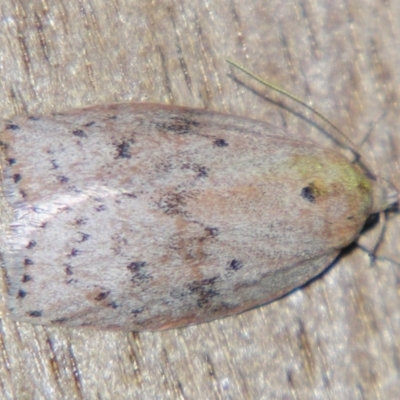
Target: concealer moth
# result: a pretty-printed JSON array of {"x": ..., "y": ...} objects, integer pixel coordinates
[{"x": 136, "y": 216}]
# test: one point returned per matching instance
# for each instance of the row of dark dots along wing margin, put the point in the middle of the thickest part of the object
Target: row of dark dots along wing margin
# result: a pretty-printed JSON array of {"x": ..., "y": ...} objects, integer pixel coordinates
[
  {"x": 11, "y": 161},
  {"x": 26, "y": 278}
]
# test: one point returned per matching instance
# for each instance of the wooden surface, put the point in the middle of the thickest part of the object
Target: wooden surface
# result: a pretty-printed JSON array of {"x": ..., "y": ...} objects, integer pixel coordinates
[{"x": 336, "y": 338}]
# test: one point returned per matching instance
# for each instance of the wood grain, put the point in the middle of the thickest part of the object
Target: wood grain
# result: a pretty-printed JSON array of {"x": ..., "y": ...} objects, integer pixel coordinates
[{"x": 338, "y": 337}]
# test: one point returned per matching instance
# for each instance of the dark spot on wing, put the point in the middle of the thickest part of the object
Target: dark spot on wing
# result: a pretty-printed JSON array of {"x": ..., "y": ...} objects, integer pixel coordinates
[
  {"x": 27, "y": 262},
  {"x": 203, "y": 290},
  {"x": 139, "y": 273},
  {"x": 12, "y": 127},
  {"x": 102, "y": 296},
  {"x": 35, "y": 313},
  {"x": 84, "y": 237},
  {"x": 62, "y": 179},
  {"x": 235, "y": 265},
  {"x": 54, "y": 164},
  {"x": 113, "y": 305},
  {"x": 26, "y": 278},
  {"x": 79, "y": 133},
  {"x": 21, "y": 294},
  {"x": 124, "y": 149},
  {"x": 17, "y": 178},
  {"x": 212, "y": 231},
  {"x": 309, "y": 193},
  {"x": 31, "y": 244},
  {"x": 220, "y": 143},
  {"x": 130, "y": 194},
  {"x": 100, "y": 207},
  {"x": 75, "y": 252},
  {"x": 202, "y": 172},
  {"x": 80, "y": 221},
  {"x": 68, "y": 269},
  {"x": 137, "y": 311}
]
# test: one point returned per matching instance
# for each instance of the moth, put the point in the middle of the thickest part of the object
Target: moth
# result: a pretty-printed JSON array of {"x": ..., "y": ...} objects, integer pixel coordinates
[{"x": 138, "y": 216}]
